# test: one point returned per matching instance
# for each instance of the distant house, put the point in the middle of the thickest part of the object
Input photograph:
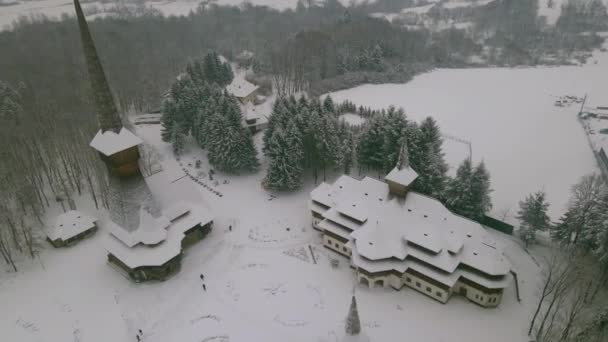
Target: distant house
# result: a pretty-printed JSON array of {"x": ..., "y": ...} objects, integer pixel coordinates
[
  {"x": 254, "y": 120},
  {"x": 243, "y": 90},
  {"x": 244, "y": 59},
  {"x": 396, "y": 237},
  {"x": 154, "y": 250},
  {"x": 70, "y": 227},
  {"x": 119, "y": 151}
]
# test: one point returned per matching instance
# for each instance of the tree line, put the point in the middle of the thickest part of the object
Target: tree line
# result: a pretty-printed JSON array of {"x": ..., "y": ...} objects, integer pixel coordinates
[
  {"x": 306, "y": 134},
  {"x": 574, "y": 282}
]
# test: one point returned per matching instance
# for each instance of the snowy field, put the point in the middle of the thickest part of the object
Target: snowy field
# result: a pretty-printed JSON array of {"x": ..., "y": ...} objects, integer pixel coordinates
[
  {"x": 509, "y": 117},
  {"x": 269, "y": 279},
  {"x": 54, "y": 9}
]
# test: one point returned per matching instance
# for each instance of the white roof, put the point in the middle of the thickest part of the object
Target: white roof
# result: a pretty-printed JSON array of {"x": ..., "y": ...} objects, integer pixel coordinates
[
  {"x": 404, "y": 176},
  {"x": 396, "y": 232},
  {"x": 241, "y": 87},
  {"x": 158, "y": 240},
  {"x": 110, "y": 143},
  {"x": 170, "y": 246},
  {"x": 70, "y": 224}
]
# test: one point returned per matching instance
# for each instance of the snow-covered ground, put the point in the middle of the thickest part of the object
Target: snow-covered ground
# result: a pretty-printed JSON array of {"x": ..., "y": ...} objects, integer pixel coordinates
[
  {"x": 54, "y": 9},
  {"x": 262, "y": 283},
  {"x": 509, "y": 117}
]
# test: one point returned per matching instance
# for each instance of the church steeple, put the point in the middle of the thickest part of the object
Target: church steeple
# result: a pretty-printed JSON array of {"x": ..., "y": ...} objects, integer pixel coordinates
[{"x": 107, "y": 115}]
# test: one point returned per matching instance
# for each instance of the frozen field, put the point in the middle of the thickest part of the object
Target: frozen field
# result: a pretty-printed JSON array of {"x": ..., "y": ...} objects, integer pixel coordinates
[
  {"x": 510, "y": 118},
  {"x": 54, "y": 9},
  {"x": 262, "y": 284}
]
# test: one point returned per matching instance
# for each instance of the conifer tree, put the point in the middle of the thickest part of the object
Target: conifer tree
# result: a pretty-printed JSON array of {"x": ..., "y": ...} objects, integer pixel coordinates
[
  {"x": 167, "y": 120},
  {"x": 177, "y": 138},
  {"x": 371, "y": 143},
  {"x": 285, "y": 159},
  {"x": 585, "y": 215},
  {"x": 328, "y": 105},
  {"x": 532, "y": 216},
  {"x": 480, "y": 187},
  {"x": 458, "y": 194},
  {"x": 429, "y": 162},
  {"x": 353, "y": 324}
]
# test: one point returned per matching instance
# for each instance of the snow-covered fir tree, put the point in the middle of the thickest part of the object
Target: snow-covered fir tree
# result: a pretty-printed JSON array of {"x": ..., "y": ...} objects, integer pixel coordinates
[
  {"x": 328, "y": 105},
  {"x": 458, "y": 194},
  {"x": 352, "y": 326},
  {"x": 533, "y": 217},
  {"x": 429, "y": 161},
  {"x": 285, "y": 152},
  {"x": 585, "y": 218},
  {"x": 480, "y": 188},
  {"x": 177, "y": 138}
]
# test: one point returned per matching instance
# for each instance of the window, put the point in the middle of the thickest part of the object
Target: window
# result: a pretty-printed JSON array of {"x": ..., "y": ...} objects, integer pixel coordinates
[
  {"x": 428, "y": 289},
  {"x": 481, "y": 298},
  {"x": 476, "y": 296},
  {"x": 344, "y": 249},
  {"x": 408, "y": 279},
  {"x": 438, "y": 294},
  {"x": 418, "y": 284},
  {"x": 337, "y": 245}
]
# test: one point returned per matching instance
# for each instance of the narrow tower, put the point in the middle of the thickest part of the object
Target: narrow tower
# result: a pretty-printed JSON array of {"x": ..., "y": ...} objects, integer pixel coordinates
[
  {"x": 107, "y": 115},
  {"x": 116, "y": 145},
  {"x": 401, "y": 178}
]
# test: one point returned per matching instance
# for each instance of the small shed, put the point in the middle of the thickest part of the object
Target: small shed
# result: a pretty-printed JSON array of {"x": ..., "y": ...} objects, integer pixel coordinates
[{"x": 70, "y": 227}]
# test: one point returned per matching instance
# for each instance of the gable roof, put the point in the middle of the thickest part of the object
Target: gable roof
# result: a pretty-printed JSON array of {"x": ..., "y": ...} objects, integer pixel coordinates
[
  {"x": 241, "y": 87},
  {"x": 110, "y": 143}
]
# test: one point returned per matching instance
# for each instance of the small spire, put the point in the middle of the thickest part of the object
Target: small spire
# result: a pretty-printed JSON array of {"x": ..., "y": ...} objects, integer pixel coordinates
[
  {"x": 404, "y": 155},
  {"x": 353, "y": 324},
  {"x": 107, "y": 115}
]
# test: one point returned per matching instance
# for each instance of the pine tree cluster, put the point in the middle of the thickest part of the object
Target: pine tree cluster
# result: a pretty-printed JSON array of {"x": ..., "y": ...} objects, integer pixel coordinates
[
  {"x": 198, "y": 106},
  {"x": 468, "y": 194},
  {"x": 305, "y": 134},
  {"x": 380, "y": 142}
]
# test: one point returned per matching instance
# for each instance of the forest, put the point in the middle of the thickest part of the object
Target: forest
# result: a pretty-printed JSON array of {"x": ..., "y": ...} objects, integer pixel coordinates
[{"x": 46, "y": 116}]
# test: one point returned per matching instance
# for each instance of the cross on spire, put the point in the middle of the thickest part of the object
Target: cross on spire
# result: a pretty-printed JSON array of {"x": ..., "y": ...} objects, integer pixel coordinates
[{"x": 107, "y": 115}]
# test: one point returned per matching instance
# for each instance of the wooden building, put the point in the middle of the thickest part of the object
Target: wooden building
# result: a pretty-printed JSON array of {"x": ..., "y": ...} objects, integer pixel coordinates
[
  {"x": 155, "y": 249},
  {"x": 70, "y": 227},
  {"x": 119, "y": 151}
]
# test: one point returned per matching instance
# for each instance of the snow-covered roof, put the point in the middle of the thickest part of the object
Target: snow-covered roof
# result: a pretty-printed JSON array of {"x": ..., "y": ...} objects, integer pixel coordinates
[
  {"x": 241, "y": 87},
  {"x": 110, "y": 143},
  {"x": 158, "y": 240},
  {"x": 404, "y": 176},
  {"x": 70, "y": 224},
  {"x": 170, "y": 236},
  {"x": 395, "y": 232}
]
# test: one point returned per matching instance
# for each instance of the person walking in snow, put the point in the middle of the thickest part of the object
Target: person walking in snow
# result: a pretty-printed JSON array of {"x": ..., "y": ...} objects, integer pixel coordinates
[
  {"x": 138, "y": 338},
  {"x": 230, "y": 227},
  {"x": 202, "y": 277},
  {"x": 204, "y": 287}
]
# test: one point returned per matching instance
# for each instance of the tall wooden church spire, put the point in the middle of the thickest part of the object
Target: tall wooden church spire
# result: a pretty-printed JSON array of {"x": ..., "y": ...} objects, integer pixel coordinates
[{"x": 107, "y": 115}]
